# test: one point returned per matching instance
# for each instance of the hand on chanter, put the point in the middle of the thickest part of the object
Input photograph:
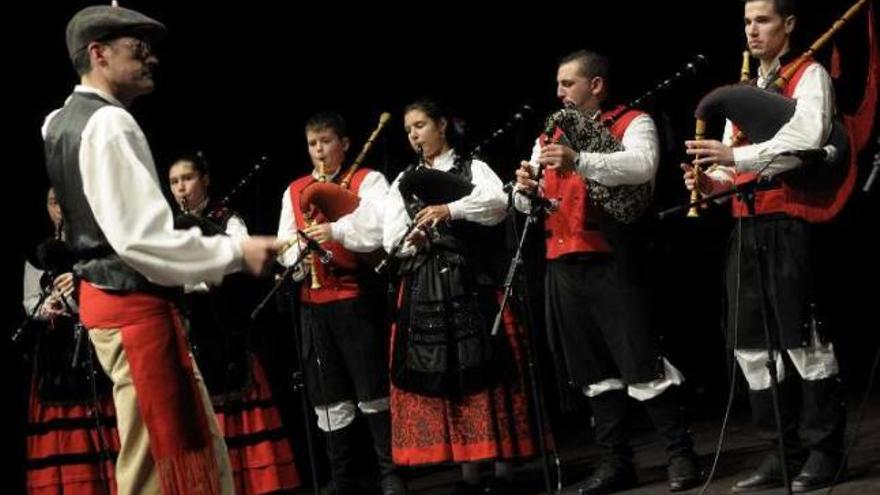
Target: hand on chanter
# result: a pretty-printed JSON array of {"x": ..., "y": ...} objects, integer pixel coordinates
[
  {"x": 557, "y": 156},
  {"x": 320, "y": 232},
  {"x": 710, "y": 152},
  {"x": 524, "y": 179},
  {"x": 430, "y": 216}
]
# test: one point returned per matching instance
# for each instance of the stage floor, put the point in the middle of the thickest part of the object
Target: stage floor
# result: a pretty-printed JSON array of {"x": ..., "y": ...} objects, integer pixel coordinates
[{"x": 742, "y": 451}]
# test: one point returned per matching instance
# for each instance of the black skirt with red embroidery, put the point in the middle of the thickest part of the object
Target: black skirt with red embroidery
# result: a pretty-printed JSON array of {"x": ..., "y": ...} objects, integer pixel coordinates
[
  {"x": 67, "y": 453},
  {"x": 259, "y": 452},
  {"x": 492, "y": 423}
]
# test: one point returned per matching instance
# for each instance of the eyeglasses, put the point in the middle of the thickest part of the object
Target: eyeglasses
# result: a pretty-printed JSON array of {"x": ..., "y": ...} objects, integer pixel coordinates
[{"x": 139, "y": 48}]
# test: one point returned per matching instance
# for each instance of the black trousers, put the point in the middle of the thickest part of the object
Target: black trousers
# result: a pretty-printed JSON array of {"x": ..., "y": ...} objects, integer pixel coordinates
[
  {"x": 345, "y": 350},
  {"x": 784, "y": 257},
  {"x": 598, "y": 321}
]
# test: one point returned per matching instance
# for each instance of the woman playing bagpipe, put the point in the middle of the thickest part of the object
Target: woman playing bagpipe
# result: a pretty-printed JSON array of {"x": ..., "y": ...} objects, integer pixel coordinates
[
  {"x": 67, "y": 450},
  {"x": 259, "y": 452},
  {"x": 457, "y": 393}
]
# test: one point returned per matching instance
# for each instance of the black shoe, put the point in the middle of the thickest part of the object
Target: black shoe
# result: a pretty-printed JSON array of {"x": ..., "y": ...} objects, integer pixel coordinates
[
  {"x": 464, "y": 488},
  {"x": 392, "y": 484},
  {"x": 767, "y": 476},
  {"x": 818, "y": 472},
  {"x": 497, "y": 486},
  {"x": 684, "y": 472},
  {"x": 329, "y": 489},
  {"x": 609, "y": 477}
]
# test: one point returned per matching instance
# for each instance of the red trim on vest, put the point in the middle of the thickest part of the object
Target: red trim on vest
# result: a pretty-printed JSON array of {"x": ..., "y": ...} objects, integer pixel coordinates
[
  {"x": 571, "y": 228},
  {"x": 782, "y": 199},
  {"x": 334, "y": 286}
]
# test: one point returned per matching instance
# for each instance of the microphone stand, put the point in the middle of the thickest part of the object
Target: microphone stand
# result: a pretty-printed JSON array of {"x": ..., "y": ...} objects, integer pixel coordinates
[
  {"x": 537, "y": 210},
  {"x": 298, "y": 377},
  {"x": 80, "y": 331},
  {"x": 28, "y": 319},
  {"x": 747, "y": 193},
  {"x": 79, "y": 335}
]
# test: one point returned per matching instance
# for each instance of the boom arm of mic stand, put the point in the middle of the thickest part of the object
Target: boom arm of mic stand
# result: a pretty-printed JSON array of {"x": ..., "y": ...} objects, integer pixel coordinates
[
  {"x": 741, "y": 190},
  {"x": 19, "y": 332},
  {"x": 705, "y": 199},
  {"x": 381, "y": 267},
  {"x": 278, "y": 283},
  {"x": 515, "y": 263}
]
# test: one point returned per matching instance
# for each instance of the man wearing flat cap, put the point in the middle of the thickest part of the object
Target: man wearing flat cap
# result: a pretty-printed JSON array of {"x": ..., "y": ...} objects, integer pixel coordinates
[{"x": 131, "y": 262}]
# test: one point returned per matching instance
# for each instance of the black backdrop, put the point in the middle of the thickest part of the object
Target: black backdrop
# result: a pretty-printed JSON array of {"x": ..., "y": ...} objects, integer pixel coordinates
[{"x": 237, "y": 81}]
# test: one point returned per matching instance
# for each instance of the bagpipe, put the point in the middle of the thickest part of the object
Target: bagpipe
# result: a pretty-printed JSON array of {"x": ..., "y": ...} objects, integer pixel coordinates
[
  {"x": 61, "y": 376},
  {"x": 428, "y": 187},
  {"x": 54, "y": 257},
  {"x": 323, "y": 201},
  {"x": 447, "y": 350},
  {"x": 422, "y": 186},
  {"x": 818, "y": 189},
  {"x": 583, "y": 133},
  {"x": 211, "y": 222},
  {"x": 822, "y": 184}
]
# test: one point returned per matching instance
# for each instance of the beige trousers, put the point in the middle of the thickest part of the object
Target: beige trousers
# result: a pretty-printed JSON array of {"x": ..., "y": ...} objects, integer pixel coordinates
[{"x": 135, "y": 471}]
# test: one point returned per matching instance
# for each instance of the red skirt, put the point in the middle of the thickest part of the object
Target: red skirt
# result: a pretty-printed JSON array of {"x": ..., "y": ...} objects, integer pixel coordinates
[
  {"x": 64, "y": 448},
  {"x": 260, "y": 454},
  {"x": 492, "y": 424}
]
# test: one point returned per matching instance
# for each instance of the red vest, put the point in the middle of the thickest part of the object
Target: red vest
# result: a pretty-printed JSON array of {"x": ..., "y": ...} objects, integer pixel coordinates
[
  {"x": 782, "y": 199},
  {"x": 337, "y": 278},
  {"x": 571, "y": 228}
]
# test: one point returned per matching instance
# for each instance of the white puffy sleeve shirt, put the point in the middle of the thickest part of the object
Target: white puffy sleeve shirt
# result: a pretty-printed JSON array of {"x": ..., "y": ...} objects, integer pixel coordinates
[{"x": 122, "y": 188}]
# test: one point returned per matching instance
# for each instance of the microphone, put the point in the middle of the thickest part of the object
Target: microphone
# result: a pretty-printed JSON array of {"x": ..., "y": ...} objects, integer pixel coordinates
[
  {"x": 541, "y": 202},
  {"x": 324, "y": 255},
  {"x": 826, "y": 154},
  {"x": 874, "y": 172}
]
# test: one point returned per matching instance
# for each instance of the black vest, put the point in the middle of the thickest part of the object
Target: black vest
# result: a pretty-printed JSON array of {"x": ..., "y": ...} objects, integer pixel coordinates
[
  {"x": 479, "y": 247},
  {"x": 96, "y": 261}
]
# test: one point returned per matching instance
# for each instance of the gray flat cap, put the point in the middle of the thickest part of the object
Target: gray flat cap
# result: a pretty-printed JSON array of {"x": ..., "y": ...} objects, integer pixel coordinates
[{"x": 103, "y": 22}]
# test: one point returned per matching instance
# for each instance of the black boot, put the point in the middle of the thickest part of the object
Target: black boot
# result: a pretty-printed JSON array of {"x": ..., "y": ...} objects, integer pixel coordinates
[
  {"x": 667, "y": 416},
  {"x": 769, "y": 472},
  {"x": 465, "y": 488},
  {"x": 498, "y": 486},
  {"x": 822, "y": 426},
  {"x": 380, "y": 429},
  {"x": 616, "y": 471},
  {"x": 341, "y": 449},
  {"x": 768, "y": 475}
]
